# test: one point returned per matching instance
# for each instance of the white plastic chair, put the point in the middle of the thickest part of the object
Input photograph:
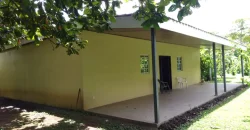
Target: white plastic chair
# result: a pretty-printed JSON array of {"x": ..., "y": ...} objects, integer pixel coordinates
[{"x": 181, "y": 81}]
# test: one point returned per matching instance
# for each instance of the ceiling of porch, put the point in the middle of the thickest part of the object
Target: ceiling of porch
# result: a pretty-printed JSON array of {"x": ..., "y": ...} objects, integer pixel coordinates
[{"x": 164, "y": 36}]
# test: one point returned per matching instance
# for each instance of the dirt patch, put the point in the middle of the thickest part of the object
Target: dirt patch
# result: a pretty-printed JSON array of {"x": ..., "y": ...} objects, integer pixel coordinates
[{"x": 190, "y": 115}]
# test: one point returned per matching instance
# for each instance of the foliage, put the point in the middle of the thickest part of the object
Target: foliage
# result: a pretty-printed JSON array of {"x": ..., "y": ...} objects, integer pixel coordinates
[
  {"x": 239, "y": 33},
  {"x": 64, "y": 20},
  {"x": 38, "y": 19},
  {"x": 232, "y": 62},
  {"x": 247, "y": 81},
  {"x": 154, "y": 13},
  {"x": 206, "y": 63}
]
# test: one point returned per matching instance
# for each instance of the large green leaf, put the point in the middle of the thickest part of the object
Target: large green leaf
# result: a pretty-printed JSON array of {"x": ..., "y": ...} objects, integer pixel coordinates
[
  {"x": 172, "y": 8},
  {"x": 87, "y": 11},
  {"x": 180, "y": 14}
]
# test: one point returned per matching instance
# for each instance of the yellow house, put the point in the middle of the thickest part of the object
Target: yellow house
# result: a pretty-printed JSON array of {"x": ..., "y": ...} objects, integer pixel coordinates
[{"x": 115, "y": 66}]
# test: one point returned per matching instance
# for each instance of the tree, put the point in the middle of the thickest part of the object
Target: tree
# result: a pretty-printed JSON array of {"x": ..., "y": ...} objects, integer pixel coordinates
[
  {"x": 206, "y": 60},
  {"x": 241, "y": 33},
  {"x": 64, "y": 20}
]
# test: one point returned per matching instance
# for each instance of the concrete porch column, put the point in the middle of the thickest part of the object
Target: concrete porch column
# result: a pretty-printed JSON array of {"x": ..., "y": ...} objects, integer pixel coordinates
[
  {"x": 224, "y": 68},
  {"x": 215, "y": 70},
  {"x": 242, "y": 68},
  {"x": 154, "y": 72}
]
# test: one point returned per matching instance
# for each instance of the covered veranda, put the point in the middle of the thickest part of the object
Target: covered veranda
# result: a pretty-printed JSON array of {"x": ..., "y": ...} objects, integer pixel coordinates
[
  {"x": 158, "y": 108},
  {"x": 171, "y": 104}
]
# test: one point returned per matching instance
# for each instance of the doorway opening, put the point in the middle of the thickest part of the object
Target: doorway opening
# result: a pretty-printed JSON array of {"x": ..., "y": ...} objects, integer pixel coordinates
[{"x": 165, "y": 69}]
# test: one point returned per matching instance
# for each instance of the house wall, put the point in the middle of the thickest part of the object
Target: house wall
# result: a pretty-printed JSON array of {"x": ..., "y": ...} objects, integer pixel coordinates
[
  {"x": 111, "y": 68},
  {"x": 38, "y": 74},
  {"x": 107, "y": 71}
]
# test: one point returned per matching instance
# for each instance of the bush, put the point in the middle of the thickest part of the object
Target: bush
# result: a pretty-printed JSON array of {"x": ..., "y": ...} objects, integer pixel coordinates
[{"x": 246, "y": 71}]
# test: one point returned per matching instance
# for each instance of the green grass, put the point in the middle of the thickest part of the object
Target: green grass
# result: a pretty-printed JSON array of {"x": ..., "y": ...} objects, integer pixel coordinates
[
  {"x": 229, "y": 79},
  {"x": 232, "y": 114}
]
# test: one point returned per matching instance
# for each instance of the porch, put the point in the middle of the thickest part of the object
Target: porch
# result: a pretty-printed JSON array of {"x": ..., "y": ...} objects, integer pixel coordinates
[
  {"x": 158, "y": 108},
  {"x": 171, "y": 104}
]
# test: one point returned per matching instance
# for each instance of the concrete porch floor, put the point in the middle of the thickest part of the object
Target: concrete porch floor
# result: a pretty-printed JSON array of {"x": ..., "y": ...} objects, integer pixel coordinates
[{"x": 171, "y": 104}]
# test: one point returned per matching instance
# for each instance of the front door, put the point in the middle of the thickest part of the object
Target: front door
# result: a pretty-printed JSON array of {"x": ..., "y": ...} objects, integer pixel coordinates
[{"x": 165, "y": 69}]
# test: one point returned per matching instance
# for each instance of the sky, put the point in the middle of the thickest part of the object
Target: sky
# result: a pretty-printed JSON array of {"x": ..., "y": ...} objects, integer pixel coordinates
[{"x": 213, "y": 16}]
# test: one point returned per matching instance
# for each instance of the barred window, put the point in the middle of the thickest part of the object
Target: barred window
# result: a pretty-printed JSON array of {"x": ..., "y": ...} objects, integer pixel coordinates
[
  {"x": 144, "y": 64},
  {"x": 179, "y": 63}
]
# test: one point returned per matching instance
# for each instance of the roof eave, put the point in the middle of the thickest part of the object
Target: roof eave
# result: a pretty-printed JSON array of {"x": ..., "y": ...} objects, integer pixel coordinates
[{"x": 127, "y": 21}]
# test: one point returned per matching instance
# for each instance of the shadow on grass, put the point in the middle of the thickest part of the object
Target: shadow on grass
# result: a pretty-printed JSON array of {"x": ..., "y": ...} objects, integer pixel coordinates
[
  {"x": 213, "y": 105},
  {"x": 12, "y": 117},
  {"x": 24, "y": 115}
]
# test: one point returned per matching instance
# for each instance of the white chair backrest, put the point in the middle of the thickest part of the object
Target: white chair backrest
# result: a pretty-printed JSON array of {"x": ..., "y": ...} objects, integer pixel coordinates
[{"x": 179, "y": 79}]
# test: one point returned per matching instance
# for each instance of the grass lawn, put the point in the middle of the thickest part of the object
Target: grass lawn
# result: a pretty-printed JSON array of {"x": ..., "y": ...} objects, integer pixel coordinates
[
  {"x": 231, "y": 79},
  {"x": 233, "y": 114}
]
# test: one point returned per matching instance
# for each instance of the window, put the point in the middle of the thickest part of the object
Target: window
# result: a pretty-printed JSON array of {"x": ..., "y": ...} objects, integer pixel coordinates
[
  {"x": 179, "y": 63},
  {"x": 144, "y": 64}
]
